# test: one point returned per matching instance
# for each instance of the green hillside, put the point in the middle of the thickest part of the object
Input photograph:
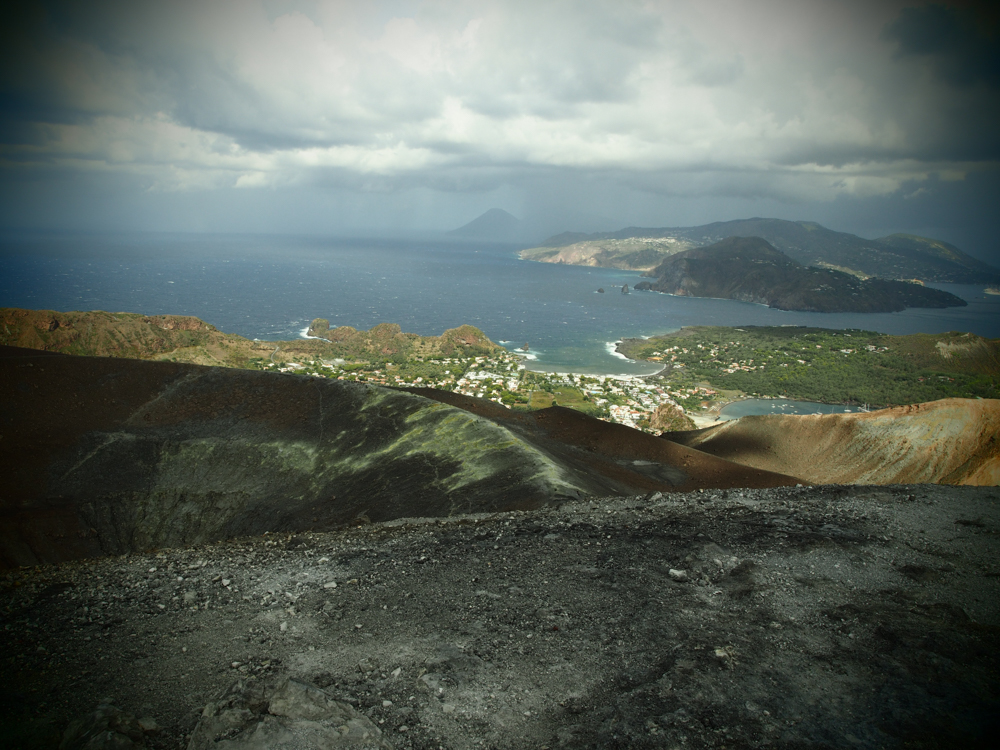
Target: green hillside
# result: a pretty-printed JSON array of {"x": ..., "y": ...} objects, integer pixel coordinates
[
  {"x": 818, "y": 364},
  {"x": 182, "y": 338}
]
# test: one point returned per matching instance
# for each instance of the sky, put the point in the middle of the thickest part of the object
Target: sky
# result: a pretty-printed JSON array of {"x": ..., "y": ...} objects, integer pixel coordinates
[{"x": 402, "y": 116}]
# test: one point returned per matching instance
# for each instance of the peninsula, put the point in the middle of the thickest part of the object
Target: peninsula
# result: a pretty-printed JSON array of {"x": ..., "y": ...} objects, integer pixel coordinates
[
  {"x": 183, "y": 338},
  {"x": 897, "y": 256},
  {"x": 750, "y": 269},
  {"x": 717, "y": 364}
]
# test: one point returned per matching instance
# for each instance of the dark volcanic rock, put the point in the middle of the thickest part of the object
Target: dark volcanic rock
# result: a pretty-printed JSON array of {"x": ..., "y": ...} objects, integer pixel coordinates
[
  {"x": 831, "y": 617},
  {"x": 294, "y": 714},
  {"x": 109, "y": 456},
  {"x": 107, "y": 728}
]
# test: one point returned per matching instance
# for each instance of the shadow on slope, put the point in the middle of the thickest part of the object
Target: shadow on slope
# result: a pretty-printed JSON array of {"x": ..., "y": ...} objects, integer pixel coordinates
[
  {"x": 633, "y": 460},
  {"x": 108, "y": 456}
]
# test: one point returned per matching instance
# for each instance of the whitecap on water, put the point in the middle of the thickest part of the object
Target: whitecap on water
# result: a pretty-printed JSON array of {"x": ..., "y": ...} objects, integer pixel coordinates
[{"x": 611, "y": 347}]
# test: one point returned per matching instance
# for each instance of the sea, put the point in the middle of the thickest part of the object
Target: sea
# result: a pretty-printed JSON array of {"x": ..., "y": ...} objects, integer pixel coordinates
[
  {"x": 750, "y": 406},
  {"x": 271, "y": 287}
]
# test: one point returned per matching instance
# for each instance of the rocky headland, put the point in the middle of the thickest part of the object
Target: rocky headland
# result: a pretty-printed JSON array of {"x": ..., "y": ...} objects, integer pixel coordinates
[
  {"x": 180, "y": 338},
  {"x": 898, "y": 256},
  {"x": 750, "y": 269},
  {"x": 388, "y": 339}
]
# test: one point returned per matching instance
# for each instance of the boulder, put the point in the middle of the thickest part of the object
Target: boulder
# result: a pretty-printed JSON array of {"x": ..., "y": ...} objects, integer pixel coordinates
[
  {"x": 320, "y": 327},
  {"x": 295, "y": 714},
  {"x": 107, "y": 728}
]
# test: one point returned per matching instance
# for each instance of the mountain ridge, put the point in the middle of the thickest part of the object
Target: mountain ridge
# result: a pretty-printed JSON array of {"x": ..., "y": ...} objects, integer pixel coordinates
[
  {"x": 214, "y": 452},
  {"x": 897, "y": 256},
  {"x": 185, "y": 338},
  {"x": 750, "y": 269},
  {"x": 949, "y": 441}
]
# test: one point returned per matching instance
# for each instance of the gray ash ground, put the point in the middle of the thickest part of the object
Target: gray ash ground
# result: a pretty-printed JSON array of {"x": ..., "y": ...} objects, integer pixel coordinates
[{"x": 802, "y": 617}]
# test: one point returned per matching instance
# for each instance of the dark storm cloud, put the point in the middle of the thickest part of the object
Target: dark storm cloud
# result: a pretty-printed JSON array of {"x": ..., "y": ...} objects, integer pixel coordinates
[
  {"x": 606, "y": 108},
  {"x": 962, "y": 44}
]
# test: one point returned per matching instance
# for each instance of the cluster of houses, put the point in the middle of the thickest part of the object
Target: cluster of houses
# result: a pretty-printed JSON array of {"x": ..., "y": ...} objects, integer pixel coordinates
[{"x": 623, "y": 399}]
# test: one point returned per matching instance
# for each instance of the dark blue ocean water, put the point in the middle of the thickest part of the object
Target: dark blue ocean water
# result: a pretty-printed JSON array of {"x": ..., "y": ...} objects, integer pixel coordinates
[
  {"x": 271, "y": 287},
  {"x": 750, "y": 406}
]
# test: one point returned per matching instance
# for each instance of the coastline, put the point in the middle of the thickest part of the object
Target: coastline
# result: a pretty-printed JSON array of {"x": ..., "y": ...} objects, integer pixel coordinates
[
  {"x": 304, "y": 334},
  {"x": 721, "y": 299},
  {"x": 702, "y": 421},
  {"x": 713, "y": 415}
]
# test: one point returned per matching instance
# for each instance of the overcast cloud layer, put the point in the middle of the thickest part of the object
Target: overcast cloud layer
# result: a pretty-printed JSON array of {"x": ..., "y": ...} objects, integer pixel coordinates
[{"x": 301, "y": 115}]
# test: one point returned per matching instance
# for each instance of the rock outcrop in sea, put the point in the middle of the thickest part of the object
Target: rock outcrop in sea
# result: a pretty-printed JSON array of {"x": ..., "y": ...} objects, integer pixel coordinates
[{"x": 320, "y": 328}]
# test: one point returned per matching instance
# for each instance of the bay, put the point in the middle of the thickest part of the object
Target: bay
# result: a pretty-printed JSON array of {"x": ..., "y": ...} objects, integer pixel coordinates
[
  {"x": 757, "y": 406},
  {"x": 270, "y": 287}
]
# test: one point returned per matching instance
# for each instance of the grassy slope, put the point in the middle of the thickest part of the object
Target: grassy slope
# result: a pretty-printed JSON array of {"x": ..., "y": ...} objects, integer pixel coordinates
[
  {"x": 808, "y": 363},
  {"x": 187, "y": 339}
]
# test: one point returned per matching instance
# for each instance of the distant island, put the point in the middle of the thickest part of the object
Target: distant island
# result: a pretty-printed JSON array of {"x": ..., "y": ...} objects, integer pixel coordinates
[
  {"x": 750, "y": 269},
  {"x": 495, "y": 225},
  {"x": 897, "y": 256}
]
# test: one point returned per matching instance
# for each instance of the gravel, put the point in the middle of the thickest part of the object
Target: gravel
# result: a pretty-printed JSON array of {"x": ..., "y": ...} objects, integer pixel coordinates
[{"x": 796, "y": 617}]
